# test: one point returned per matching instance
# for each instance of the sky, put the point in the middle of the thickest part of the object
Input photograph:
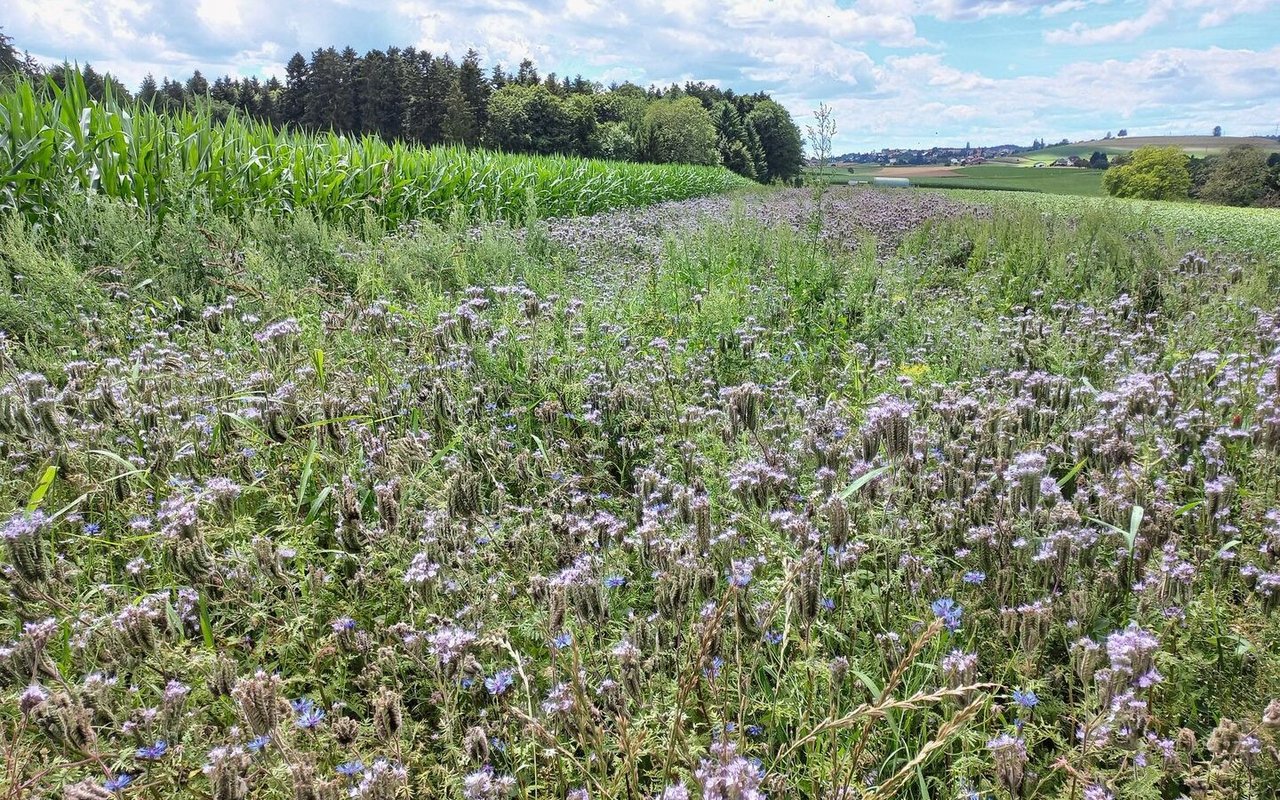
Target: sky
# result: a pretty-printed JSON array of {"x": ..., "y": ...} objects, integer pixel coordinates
[{"x": 897, "y": 73}]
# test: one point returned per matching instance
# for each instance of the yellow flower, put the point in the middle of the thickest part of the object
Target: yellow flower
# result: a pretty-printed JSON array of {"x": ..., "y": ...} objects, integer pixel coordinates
[{"x": 915, "y": 371}]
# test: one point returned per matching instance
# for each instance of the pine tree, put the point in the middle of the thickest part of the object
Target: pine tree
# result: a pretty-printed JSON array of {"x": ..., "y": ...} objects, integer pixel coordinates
[
  {"x": 731, "y": 141},
  {"x": 346, "y": 104},
  {"x": 148, "y": 90},
  {"x": 498, "y": 78},
  {"x": 269, "y": 107},
  {"x": 9, "y": 59},
  {"x": 380, "y": 96},
  {"x": 475, "y": 89},
  {"x": 293, "y": 100},
  {"x": 755, "y": 150},
  {"x": 459, "y": 126},
  {"x": 172, "y": 95},
  {"x": 197, "y": 85},
  {"x": 328, "y": 103},
  {"x": 527, "y": 75}
]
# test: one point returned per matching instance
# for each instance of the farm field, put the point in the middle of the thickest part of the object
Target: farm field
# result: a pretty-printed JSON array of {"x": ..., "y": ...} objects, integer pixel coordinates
[
  {"x": 53, "y": 147},
  {"x": 1052, "y": 180},
  {"x": 1199, "y": 146},
  {"x": 860, "y": 494}
]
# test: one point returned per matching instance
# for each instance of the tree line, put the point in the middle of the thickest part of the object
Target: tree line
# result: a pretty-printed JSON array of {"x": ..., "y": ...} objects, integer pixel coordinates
[
  {"x": 411, "y": 95},
  {"x": 1241, "y": 176}
]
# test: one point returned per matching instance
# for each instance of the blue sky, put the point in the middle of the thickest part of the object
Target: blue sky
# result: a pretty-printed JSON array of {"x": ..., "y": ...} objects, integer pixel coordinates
[{"x": 908, "y": 73}]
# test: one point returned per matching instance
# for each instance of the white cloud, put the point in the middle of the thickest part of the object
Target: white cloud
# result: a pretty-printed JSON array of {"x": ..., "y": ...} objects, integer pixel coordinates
[
  {"x": 1157, "y": 13},
  {"x": 1126, "y": 30}
]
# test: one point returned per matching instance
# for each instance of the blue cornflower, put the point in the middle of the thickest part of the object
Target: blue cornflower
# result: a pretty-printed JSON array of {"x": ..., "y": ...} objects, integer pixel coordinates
[
  {"x": 153, "y": 752},
  {"x": 945, "y": 609},
  {"x": 755, "y": 731},
  {"x": 258, "y": 743},
  {"x": 563, "y": 640},
  {"x": 828, "y": 604},
  {"x": 773, "y": 637},
  {"x": 614, "y": 582},
  {"x": 1026, "y": 699},
  {"x": 499, "y": 682},
  {"x": 302, "y": 705},
  {"x": 118, "y": 783},
  {"x": 975, "y": 578},
  {"x": 310, "y": 718},
  {"x": 92, "y": 529},
  {"x": 350, "y": 768}
]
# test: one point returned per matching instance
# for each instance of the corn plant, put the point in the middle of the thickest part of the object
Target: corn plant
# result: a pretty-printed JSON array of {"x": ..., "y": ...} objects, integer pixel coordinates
[{"x": 54, "y": 139}]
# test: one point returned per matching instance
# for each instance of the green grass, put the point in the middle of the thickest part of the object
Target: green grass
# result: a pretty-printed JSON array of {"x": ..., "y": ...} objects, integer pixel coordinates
[{"x": 1052, "y": 180}]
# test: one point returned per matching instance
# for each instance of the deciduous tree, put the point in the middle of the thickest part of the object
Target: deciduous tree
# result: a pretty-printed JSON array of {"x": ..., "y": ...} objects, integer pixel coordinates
[{"x": 1152, "y": 173}]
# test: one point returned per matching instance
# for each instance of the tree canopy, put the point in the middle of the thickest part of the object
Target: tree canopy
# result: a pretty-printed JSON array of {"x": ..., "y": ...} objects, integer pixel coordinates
[
  {"x": 680, "y": 131},
  {"x": 1150, "y": 173}
]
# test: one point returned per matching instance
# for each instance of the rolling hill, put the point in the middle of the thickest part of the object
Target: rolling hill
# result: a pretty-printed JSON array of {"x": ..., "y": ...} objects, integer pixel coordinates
[{"x": 1193, "y": 145}]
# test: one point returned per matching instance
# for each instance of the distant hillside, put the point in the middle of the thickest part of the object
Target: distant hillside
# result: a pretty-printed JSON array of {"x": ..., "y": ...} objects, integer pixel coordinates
[{"x": 1193, "y": 145}]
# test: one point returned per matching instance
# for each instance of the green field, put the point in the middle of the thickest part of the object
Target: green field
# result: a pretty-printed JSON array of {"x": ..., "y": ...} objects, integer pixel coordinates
[
  {"x": 55, "y": 143},
  {"x": 1199, "y": 146},
  {"x": 1052, "y": 180}
]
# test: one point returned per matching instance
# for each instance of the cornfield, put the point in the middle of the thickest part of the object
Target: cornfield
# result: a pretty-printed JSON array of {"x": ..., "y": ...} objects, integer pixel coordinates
[{"x": 55, "y": 142}]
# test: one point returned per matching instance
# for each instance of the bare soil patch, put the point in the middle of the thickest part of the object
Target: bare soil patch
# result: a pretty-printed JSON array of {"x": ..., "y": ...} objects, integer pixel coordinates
[{"x": 932, "y": 171}]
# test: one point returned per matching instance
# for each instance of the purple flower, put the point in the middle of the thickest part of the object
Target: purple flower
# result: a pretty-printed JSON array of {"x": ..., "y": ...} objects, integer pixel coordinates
[
  {"x": 258, "y": 743},
  {"x": 302, "y": 705},
  {"x": 945, "y": 609},
  {"x": 1025, "y": 699},
  {"x": 975, "y": 578},
  {"x": 562, "y": 640},
  {"x": 118, "y": 783},
  {"x": 740, "y": 572},
  {"x": 310, "y": 718},
  {"x": 350, "y": 768},
  {"x": 614, "y": 582},
  {"x": 729, "y": 775},
  {"x": 449, "y": 643},
  {"x": 153, "y": 752},
  {"x": 499, "y": 682},
  {"x": 773, "y": 637}
]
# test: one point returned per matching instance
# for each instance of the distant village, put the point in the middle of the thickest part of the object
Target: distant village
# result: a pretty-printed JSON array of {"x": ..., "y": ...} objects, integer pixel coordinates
[{"x": 952, "y": 156}]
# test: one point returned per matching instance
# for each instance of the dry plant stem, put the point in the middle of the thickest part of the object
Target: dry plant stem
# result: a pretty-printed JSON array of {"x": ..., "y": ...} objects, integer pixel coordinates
[
  {"x": 949, "y": 729},
  {"x": 690, "y": 680},
  {"x": 868, "y": 711},
  {"x": 551, "y": 741}
]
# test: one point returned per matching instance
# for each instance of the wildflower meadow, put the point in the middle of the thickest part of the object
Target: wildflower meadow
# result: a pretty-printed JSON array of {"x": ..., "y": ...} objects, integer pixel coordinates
[{"x": 894, "y": 494}]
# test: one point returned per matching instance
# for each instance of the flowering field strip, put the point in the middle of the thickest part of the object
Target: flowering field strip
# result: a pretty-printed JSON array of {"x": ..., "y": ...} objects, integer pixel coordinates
[
  {"x": 921, "y": 497},
  {"x": 56, "y": 143}
]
